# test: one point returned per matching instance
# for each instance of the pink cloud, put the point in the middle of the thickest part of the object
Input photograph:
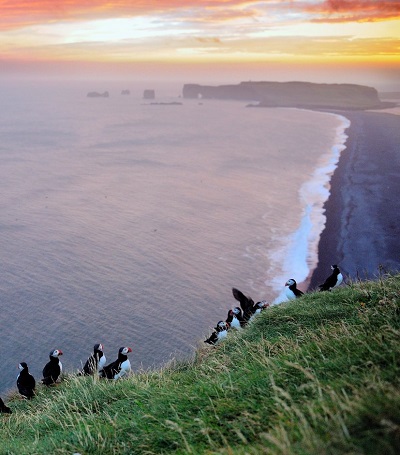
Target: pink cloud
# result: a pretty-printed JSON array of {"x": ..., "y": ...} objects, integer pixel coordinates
[
  {"x": 16, "y": 14},
  {"x": 354, "y": 10}
]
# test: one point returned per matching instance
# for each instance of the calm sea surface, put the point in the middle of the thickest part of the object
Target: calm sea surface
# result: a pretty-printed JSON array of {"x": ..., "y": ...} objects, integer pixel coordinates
[{"x": 127, "y": 223}]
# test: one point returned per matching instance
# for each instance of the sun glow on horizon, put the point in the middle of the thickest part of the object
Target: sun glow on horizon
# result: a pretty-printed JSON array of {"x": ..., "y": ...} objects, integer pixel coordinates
[{"x": 204, "y": 32}]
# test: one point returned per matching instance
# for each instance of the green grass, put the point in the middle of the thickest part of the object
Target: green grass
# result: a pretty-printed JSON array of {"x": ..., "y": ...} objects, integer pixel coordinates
[{"x": 320, "y": 375}]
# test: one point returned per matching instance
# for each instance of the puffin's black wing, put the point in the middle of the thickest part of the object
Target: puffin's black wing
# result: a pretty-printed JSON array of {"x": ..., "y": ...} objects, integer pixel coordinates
[
  {"x": 212, "y": 339},
  {"x": 90, "y": 366},
  {"x": 3, "y": 408},
  {"x": 297, "y": 292},
  {"x": 26, "y": 385},
  {"x": 245, "y": 316},
  {"x": 109, "y": 371},
  {"x": 51, "y": 372},
  {"x": 329, "y": 283},
  {"x": 246, "y": 303},
  {"x": 27, "y": 393}
]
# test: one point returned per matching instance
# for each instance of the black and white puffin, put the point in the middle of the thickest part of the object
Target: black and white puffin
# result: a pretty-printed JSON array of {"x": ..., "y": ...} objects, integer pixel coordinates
[
  {"x": 220, "y": 332},
  {"x": 52, "y": 369},
  {"x": 25, "y": 382},
  {"x": 246, "y": 303},
  {"x": 3, "y": 408},
  {"x": 235, "y": 318},
  {"x": 249, "y": 308},
  {"x": 333, "y": 280},
  {"x": 119, "y": 367},
  {"x": 95, "y": 363},
  {"x": 258, "y": 307},
  {"x": 291, "y": 290}
]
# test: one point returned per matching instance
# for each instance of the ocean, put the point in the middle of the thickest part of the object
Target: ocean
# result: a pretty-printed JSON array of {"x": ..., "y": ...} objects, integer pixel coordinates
[{"x": 127, "y": 223}]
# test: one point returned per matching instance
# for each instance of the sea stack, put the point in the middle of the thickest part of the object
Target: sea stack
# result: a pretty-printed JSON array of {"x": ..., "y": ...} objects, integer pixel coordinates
[
  {"x": 149, "y": 94},
  {"x": 98, "y": 95}
]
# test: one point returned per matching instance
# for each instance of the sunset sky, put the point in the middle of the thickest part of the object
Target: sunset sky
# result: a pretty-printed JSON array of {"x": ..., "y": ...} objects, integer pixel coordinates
[{"x": 214, "y": 40}]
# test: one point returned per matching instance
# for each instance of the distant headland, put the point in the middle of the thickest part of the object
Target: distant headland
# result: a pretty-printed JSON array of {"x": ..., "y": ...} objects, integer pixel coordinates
[{"x": 292, "y": 94}]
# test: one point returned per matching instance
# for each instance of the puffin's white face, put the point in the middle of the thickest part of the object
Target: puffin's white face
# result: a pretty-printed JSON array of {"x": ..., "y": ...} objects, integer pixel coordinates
[
  {"x": 222, "y": 325},
  {"x": 126, "y": 350},
  {"x": 100, "y": 348},
  {"x": 290, "y": 282},
  {"x": 56, "y": 353},
  {"x": 236, "y": 310},
  {"x": 20, "y": 367}
]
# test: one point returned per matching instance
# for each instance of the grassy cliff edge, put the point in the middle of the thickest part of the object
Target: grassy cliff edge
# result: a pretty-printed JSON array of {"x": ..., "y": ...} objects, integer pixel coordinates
[{"x": 316, "y": 376}]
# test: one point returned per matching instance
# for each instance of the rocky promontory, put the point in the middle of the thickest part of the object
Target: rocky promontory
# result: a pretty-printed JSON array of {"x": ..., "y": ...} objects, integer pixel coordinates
[
  {"x": 292, "y": 94},
  {"x": 98, "y": 95}
]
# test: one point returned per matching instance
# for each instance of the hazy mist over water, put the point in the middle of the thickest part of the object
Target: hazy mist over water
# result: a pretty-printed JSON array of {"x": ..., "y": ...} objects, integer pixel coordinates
[{"x": 127, "y": 223}]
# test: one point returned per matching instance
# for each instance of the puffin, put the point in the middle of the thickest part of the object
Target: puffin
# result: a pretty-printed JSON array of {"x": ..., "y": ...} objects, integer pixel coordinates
[
  {"x": 95, "y": 363},
  {"x": 3, "y": 408},
  {"x": 220, "y": 332},
  {"x": 235, "y": 318},
  {"x": 333, "y": 280},
  {"x": 25, "y": 382},
  {"x": 258, "y": 307},
  {"x": 53, "y": 368},
  {"x": 291, "y": 291},
  {"x": 119, "y": 367},
  {"x": 246, "y": 303}
]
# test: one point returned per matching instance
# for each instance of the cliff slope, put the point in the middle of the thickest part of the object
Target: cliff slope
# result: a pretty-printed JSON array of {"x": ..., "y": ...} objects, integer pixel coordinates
[{"x": 319, "y": 375}]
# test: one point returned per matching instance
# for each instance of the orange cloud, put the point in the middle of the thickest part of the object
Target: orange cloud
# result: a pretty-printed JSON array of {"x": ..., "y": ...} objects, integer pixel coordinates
[{"x": 208, "y": 40}]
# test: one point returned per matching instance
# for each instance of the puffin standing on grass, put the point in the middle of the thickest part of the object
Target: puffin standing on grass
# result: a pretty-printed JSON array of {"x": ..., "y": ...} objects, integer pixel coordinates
[
  {"x": 52, "y": 369},
  {"x": 248, "y": 306},
  {"x": 3, "y": 408},
  {"x": 25, "y": 382},
  {"x": 333, "y": 280},
  {"x": 95, "y": 363},
  {"x": 291, "y": 290},
  {"x": 235, "y": 318},
  {"x": 119, "y": 367},
  {"x": 220, "y": 332},
  {"x": 246, "y": 303},
  {"x": 258, "y": 307}
]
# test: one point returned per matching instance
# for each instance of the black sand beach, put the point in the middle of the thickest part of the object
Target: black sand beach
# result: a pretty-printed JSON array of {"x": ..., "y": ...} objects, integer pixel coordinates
[{"x": 362, "y": 231}]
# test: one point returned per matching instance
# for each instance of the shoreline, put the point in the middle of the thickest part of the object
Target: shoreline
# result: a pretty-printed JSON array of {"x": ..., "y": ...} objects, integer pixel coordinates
[
  {"x": 315, "y": 194},
  {"x": 302, "y": 245},
  {"x": 361, "y": 231}
]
